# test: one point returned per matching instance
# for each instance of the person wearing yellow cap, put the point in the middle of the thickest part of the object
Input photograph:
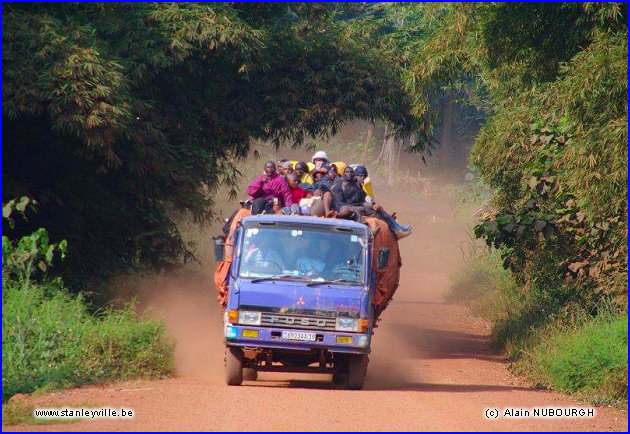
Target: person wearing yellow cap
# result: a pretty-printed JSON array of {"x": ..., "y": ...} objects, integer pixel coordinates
[{"x": 341, "y": 166}]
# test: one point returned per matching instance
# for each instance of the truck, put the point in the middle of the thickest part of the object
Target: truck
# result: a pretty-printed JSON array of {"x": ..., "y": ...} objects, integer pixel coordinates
[{"x": 299, "y": 296}]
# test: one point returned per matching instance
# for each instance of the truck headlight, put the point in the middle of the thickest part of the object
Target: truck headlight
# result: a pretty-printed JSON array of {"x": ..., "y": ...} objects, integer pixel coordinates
[
  {"x": 249, "y": 318},
  {"x": 343, "y": 324}
]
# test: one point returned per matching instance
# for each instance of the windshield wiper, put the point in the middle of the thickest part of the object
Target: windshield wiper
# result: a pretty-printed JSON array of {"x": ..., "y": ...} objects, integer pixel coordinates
[
  {"x": 328, "y": 282},
  {"x": 278, "y": 277}
]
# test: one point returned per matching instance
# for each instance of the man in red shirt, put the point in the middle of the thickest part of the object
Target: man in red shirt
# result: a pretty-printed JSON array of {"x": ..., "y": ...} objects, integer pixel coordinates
[{"x": 269, "y": 189}]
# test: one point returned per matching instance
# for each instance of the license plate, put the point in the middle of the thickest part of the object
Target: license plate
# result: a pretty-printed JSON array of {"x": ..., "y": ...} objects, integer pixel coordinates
[{"x": 299, "y": 336}]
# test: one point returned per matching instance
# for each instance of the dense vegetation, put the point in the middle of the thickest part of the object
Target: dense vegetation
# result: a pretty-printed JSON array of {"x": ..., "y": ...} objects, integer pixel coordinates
[
  {"x": 554, "y": 146},
  {"x": 552, "y": 79},
  {"x": 48, "y": 337},
  {"x": 116, "y": 115}
]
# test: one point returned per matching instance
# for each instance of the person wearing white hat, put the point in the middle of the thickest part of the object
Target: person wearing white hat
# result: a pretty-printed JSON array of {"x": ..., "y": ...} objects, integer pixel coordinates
[{"x": 319, "y": 159}]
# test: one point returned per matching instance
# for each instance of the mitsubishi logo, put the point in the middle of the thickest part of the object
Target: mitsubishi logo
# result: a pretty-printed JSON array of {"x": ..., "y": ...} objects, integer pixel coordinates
[{"x": 292, "y": 321}]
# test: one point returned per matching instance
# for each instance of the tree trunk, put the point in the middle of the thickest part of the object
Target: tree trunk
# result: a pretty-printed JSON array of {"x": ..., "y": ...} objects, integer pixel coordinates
[
  {"x": 390, "y": 155},
  {"x": 368, "y": 139}
]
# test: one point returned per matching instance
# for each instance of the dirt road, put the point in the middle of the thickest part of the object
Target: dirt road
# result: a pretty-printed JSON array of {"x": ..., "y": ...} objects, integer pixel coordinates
[{"x": 431, "y": 369}]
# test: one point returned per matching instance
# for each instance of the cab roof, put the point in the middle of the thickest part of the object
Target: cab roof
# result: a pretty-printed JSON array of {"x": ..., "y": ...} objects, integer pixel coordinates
[{"x": 300, "y": 220}]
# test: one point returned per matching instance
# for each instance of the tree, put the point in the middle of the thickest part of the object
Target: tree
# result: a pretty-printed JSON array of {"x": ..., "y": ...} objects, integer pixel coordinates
[
  {"x": 553, "y": 79},
  {"x": 115, "y": 115}
]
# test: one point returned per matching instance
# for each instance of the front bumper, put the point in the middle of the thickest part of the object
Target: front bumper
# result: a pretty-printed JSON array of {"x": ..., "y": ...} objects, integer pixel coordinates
[{"x": 271, "y": 337}]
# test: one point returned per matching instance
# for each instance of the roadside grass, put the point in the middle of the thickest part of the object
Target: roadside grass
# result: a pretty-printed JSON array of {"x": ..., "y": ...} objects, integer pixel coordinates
[
  {"x": 589, "y": 357},
  {"x": 16, "y": 412},
  {"x": 549, "y": 337},
  {"x": 51, "y": 341}
]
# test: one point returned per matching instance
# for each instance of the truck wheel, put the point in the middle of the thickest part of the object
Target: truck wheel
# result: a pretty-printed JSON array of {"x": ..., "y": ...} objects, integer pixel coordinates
[
  {"x": 233, "y": 366},
  {"x": 339, "y": 378},
  {"x": 250, "y": 374},
  {"x": 357, "y": 368},
  {"x": 340, "y": 369}
]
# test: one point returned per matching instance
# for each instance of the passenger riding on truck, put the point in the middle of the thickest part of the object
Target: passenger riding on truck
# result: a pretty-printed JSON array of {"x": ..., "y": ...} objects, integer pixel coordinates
[{"x": 302, "y": 293}]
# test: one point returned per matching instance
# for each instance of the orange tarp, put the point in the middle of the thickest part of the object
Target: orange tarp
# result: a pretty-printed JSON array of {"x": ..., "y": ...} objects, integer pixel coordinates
[
  {"x": 223, "y": 267},
  {"x": 387, "y": 279}
]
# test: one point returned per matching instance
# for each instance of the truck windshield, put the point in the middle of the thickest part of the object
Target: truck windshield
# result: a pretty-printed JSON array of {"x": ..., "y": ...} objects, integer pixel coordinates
[{"x": 304, "y": 253}]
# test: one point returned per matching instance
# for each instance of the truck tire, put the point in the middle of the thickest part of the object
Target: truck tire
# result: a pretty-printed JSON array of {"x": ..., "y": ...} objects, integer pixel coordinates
[
  {"x": 339, "y": 378},
  {"x": 233, "y": 366},
  {"x": 250, "y": 374},
  {"x": 357, "y": 369},
  {"x": 340, "y": 369}
]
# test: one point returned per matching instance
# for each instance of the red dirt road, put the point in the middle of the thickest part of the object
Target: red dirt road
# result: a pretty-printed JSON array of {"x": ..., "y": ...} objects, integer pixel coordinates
[{"x": 431, "y": 369}]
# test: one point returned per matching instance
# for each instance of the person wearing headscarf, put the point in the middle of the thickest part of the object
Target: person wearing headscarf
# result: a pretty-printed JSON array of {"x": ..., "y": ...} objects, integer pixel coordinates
[{"x": 285, "y": 167}]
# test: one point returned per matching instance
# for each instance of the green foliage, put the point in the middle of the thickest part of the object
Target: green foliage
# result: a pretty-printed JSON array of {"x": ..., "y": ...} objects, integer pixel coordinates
[
  {"x": 591, "y": 358},
  {"x": 50, "y": 340},
  {"x": 550, "y": 188},
  {"x": 14, "y": 413},
  {"x": 120, "y": 346},
  {"x": 535, "y": 218},
  {"x": 117, "y": 115},
  {"x": 19, "y": 259},
  {"x": 549, "y": 336},
  {"x": 535, "y": 36},
  {"x": 515, "y": 309},
  {"x": 19, "y": 206},
  {"x": 405, "y": 32},
  {"x": 17, "y": 412},
  {"x": 553, "y": 77}
]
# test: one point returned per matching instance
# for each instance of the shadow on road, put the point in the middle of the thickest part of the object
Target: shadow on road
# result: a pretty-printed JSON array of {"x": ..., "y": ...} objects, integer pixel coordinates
[
  {"x": 323, "y": 384},
  {"x": 413, "y": 387},
  {"x": 459, "y": 388},
  {"x": 427, "y": 343}
]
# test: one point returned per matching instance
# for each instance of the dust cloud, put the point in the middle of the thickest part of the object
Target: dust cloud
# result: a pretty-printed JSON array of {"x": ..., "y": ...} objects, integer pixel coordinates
[
  {"x": 429, "y": 255},
  {"x": 186, "y": 300}
]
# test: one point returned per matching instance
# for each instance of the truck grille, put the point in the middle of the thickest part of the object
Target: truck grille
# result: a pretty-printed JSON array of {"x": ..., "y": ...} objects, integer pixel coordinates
[{"x": 297, "y": 321}]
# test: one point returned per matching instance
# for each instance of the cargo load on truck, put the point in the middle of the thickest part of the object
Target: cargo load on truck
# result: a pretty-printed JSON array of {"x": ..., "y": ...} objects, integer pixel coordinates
[{"x": 387, "y": 275}]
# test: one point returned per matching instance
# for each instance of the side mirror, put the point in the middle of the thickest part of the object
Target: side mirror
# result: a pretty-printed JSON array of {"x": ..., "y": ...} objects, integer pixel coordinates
[
  {"x": 383, "y": 258},
  {"x": 219, "y": 248}
]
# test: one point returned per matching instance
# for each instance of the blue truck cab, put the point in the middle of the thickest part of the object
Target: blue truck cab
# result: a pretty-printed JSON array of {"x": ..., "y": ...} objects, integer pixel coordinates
[{"x": 299, "y": 298}]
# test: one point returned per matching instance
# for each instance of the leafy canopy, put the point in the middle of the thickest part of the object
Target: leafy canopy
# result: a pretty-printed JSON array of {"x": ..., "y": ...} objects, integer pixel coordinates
[
  {"x": 552, "y": 78},
  {"x": 115, "y": 115}
]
